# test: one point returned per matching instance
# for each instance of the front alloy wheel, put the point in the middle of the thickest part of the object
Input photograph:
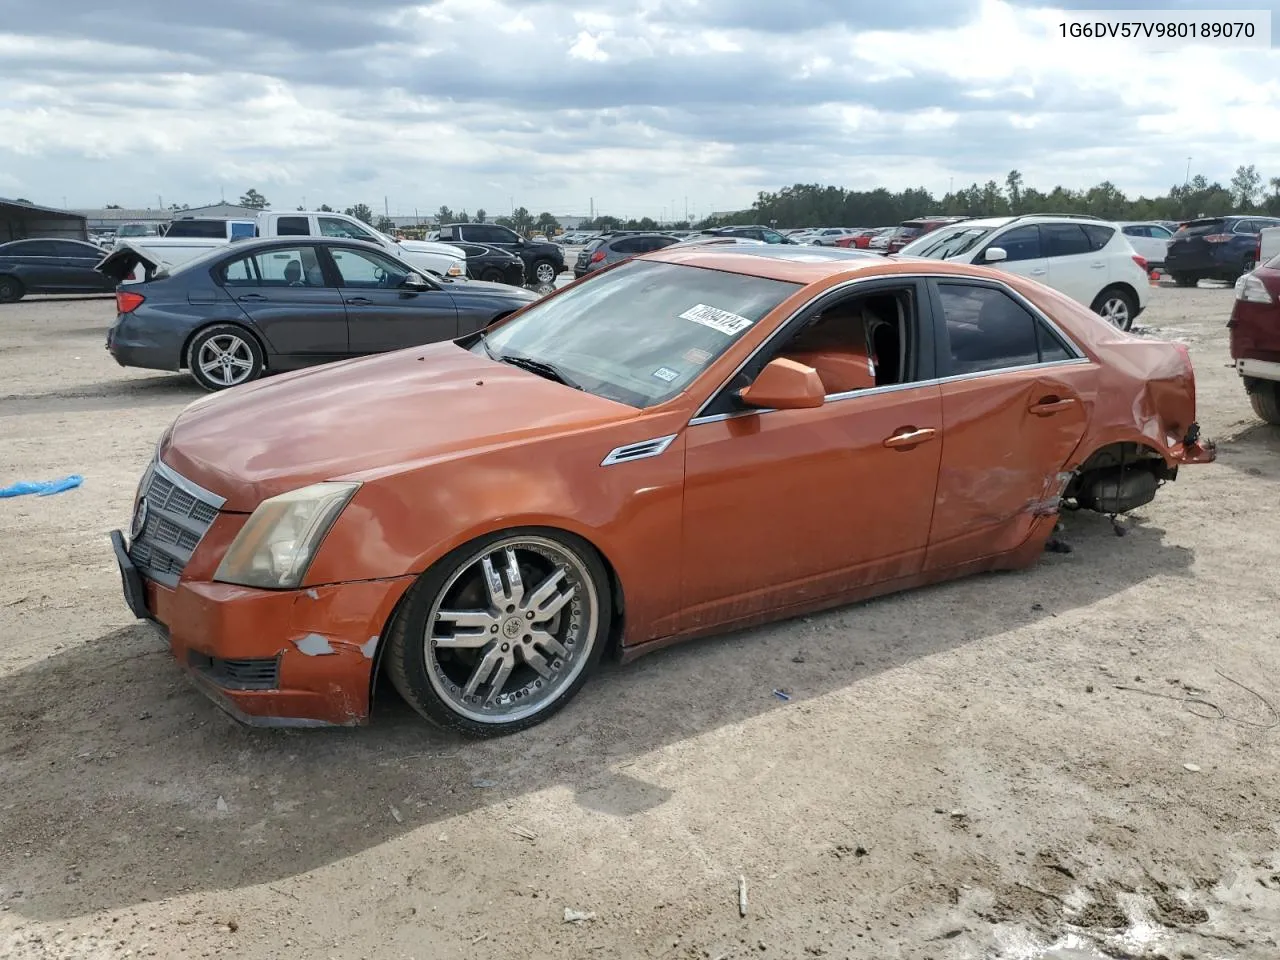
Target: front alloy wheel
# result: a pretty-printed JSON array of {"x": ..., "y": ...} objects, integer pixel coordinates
[
  {"x": 502, "y": 633},
  {"x": 544, "y": 272}
]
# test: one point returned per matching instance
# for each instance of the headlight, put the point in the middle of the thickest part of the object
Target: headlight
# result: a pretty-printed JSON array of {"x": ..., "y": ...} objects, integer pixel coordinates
[
  {"x": 275, "y": 548},
  {"x": 456, "y": 270}
]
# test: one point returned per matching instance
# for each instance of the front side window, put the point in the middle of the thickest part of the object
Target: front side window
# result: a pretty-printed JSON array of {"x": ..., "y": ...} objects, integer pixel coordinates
[
  {"x": 288, "y": 267},
  {"x": 989, "y": 330},
  {"x": 641, "y": 333},
  {"x": 333, "y": 227},
  {"x": 1020, "y": 243},
  {"x": 772, "y": 237},
  {"x": 366, "y": 269}
]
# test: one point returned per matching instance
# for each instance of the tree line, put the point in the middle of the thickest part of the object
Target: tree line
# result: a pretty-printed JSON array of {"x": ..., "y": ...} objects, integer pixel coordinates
[
  {"x": 812, "y": 204},
  {"x": 815, "y": 204}
]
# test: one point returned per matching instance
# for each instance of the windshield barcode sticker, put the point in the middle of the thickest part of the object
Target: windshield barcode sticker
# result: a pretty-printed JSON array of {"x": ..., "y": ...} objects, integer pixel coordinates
[
  {"x": 727, "y": 323},
  {"x": 667, "y": 374}
]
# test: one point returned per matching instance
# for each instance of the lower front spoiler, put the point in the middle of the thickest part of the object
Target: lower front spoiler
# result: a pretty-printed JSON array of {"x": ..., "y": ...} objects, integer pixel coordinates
[{"x": 271, "y": 658}]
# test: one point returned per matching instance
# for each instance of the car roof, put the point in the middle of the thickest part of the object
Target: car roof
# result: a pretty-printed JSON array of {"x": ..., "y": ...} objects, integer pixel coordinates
[{"x": 775, "y": 262}]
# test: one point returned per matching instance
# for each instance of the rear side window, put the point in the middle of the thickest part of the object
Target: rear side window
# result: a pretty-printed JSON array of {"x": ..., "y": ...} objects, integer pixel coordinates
[
  {"x": 989, "y": 330},
  {"x": 1099, "y": 236},
  {"x": 629, "y": 245},
  {"x": 293, "y": 227},
  {"x": 1063, "y": 239},
  {"x": 290, "y": 267},
  {"x": 1137, "y": 230},
  {"x": 1202, "y": 228},
  {"x": 197, "y": 228},
  {"x": 33, "y": 248}
]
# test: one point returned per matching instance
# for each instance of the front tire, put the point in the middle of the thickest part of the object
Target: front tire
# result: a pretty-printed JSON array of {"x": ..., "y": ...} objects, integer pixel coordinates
[
  {"x": 1117, "y": 307},
  {"x": 224, "y": 356},
  {"x": 11, "y": 289},
  {"x": 1266, "y": 401},
  {"x": 544, "y": 272},
  {"x": 492, "y": 275},
  {"x": 1185, "y": 279},
  {"x": 502, "y": 632}
]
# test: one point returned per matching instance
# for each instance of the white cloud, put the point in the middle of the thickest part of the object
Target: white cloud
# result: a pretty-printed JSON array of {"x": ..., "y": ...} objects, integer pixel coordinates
[{"x": 636, "y": 106}]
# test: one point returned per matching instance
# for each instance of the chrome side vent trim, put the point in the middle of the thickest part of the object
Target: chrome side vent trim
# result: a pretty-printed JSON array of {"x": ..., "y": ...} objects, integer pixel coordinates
[{"x": 638, "y": 451}]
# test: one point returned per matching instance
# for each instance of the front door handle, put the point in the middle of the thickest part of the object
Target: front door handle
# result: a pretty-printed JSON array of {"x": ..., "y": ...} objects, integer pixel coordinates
[
  {"x": 1051, "y": 405},
  {"x": 360, "y": 301},
  {"x": 910, "y": 437},
  {"x": 1098, "y": 266},
  {"x": 251, "y": 298},
  {"x": 1039, "y": 273}
]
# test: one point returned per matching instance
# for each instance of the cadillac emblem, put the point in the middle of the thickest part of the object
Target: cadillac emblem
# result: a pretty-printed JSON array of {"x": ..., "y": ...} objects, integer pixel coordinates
[{"x": 139, "y": 519}]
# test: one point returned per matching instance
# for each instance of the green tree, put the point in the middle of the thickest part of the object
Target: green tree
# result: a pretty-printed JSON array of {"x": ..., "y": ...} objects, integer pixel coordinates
[
  {"x": 1245, "y": 186},
  {"x": 463, "y": 217},
  {"x": 547, "y": 223},
  {"x": 325, "y": 208},
  {"x": 1013, "y": 186},
  {"x": 252, "y": 198},
  {"x": 480, "y": 215},
  {"x": 521, "y": 220},
  {"x": 444, "y": 215},
  {"x": 385, "y": 224},
  {"x": 362, "y": 212}
]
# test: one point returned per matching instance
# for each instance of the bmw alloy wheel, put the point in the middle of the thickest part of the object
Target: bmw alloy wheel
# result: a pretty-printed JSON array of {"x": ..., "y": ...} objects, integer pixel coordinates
[
  {"x": 225, "y": 359},
  {"x": 511, "y": 630},
  {"x": 544, "y": 272}
]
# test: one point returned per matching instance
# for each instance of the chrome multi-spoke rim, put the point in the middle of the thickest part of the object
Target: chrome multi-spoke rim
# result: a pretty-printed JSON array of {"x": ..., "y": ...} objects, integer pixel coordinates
[
  {"x": 546, "y": 273},
  {"x": 511, "y": 629},
  {"x": 1116, "y": 311},
  {"x": 225, "y": 359}
]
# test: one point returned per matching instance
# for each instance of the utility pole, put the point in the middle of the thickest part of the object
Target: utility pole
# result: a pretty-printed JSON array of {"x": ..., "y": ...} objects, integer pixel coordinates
[
  {"x": 686, "y": 208},
  {"x": 1187, "y": 179},
  {"x": 386, "y": 208}
]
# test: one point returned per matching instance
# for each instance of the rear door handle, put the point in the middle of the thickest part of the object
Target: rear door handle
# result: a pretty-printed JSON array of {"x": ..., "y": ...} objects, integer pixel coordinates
[
  {"x": 1098, "y": 266},
  {"x": 251, "y": 298},
  {"x": 1051, "y": 405},
  {"x": 359, "y": 301},
  {"x": 910, "y": 437},
  {"x": 1039, "y": 273}
]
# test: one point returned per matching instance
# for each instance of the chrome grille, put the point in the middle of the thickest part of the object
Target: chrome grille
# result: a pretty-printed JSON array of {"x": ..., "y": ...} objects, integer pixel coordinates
[{"x": 177, "y": 515}]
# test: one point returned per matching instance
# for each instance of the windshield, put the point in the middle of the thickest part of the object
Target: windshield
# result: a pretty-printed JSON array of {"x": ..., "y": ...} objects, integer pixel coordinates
[
  {"x": 642, "y": 332},
  {"x": 942, "y": 244}
]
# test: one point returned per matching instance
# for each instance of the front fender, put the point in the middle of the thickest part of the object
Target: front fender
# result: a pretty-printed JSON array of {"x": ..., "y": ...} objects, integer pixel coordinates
[{"x": 631, "y": 512}]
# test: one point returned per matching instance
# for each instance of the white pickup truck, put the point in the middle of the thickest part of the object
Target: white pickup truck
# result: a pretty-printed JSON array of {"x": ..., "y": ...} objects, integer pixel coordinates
[
  {"x": 1268, "y": 244},
  {"x": 439, "y": 258}
]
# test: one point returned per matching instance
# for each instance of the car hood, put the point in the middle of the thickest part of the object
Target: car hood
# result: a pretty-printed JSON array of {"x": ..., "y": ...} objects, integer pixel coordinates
[
  {"x": 430, "y": 246},
  {"x": 360, "y": 419}
]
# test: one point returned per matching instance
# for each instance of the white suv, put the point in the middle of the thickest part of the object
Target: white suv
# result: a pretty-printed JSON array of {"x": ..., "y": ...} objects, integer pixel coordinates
[{"x": 1089, "y": 260}]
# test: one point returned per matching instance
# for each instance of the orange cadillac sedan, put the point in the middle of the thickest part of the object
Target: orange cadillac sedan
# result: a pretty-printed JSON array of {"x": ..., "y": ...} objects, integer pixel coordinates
[{"x": 688, "y": 442}]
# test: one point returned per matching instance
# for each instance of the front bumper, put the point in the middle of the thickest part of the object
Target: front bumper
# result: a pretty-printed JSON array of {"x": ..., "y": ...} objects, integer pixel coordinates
[{"x": 272, "y": 658}]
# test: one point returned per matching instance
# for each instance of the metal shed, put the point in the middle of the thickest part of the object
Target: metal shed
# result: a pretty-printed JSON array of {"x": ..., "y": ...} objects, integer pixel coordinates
[{"x": 19, "y": 220}]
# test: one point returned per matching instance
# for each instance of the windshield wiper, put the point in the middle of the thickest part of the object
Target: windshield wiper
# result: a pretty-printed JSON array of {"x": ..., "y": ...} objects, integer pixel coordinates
[{"x": 547, "y": 370}]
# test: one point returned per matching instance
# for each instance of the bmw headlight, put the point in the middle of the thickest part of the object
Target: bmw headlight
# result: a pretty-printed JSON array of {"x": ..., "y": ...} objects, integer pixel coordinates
[{"x": 275, "y": 547}]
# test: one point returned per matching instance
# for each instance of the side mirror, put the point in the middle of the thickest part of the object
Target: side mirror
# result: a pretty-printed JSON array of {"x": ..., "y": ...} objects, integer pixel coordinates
[
  {"x": 995, "y": 255},
  {"x": 784, "y": 385},
  {"x": 413, "y": 282}
]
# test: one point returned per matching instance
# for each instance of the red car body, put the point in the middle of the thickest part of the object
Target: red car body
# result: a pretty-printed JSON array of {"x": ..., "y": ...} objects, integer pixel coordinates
[{"x": 1255, "y": 337}]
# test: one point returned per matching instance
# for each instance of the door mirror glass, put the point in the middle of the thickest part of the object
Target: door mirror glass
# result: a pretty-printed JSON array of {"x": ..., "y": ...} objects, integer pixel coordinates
[
  {"x": 414, "y": 282},
  {"x": 995, "y": 255},
  {"x": 784, "y": 385}
]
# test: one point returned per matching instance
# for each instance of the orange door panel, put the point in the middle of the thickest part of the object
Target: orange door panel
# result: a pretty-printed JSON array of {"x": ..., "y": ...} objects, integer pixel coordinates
[
  {"x": 792, "y": 505},
  {"x": 1008, "y": 436}
]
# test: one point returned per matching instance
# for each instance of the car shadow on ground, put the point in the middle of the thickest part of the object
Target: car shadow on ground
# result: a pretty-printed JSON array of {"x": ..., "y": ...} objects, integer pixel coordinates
[
  {"x": 121, "y": 784},
  {"x": 1254, "y": 450},
  {"x": 123, "y": 393}
]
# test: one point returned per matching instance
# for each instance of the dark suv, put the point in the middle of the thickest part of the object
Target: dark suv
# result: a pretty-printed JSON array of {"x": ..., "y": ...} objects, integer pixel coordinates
[
  {"x": 543, "y": 261},
  {"x": 607, "y": 250},
  {"x": 1215, "y": 248}
]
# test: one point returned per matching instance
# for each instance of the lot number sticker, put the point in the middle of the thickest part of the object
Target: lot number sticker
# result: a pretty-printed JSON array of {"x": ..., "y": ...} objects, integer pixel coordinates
[
  {"x": 727, "y": 323},
  {"x": 666, "y": 374}
]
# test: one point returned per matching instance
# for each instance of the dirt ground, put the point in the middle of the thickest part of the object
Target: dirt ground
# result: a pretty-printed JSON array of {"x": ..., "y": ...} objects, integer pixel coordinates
[{"x": 1077, "y": 758}]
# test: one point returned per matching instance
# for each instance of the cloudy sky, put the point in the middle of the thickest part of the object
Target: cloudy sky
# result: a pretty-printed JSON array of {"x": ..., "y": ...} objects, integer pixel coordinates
[{"x": 643, "y": 105}]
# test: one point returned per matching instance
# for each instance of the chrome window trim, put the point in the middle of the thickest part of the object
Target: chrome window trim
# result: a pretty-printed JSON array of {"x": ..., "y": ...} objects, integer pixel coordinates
[
  {"x": 197, "y": 491},
  {"x": 1072, "y": 346},
  {"x": 660, "y": 445},
  {"x": 901, "y": 387}
]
